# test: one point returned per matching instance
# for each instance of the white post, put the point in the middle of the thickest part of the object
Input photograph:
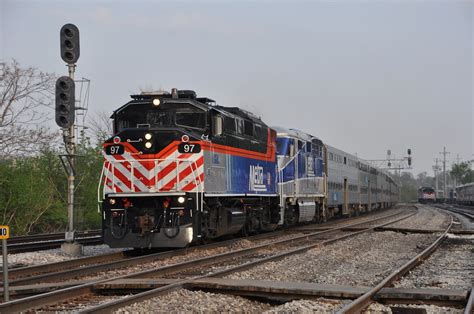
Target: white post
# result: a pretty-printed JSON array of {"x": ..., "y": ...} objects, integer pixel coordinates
[{"x": 6, "y": 293}]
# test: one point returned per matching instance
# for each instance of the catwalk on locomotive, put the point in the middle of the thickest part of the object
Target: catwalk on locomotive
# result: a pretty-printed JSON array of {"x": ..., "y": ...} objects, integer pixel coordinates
[{"x": 181, "y": 169}]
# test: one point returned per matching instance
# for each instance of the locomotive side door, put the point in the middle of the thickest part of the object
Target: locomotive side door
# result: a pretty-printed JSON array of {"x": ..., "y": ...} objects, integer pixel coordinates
[
  {"x": 345, "y": 209},
  {"x": 369, "y": 193},
  {"x": 216, "y": 172}
]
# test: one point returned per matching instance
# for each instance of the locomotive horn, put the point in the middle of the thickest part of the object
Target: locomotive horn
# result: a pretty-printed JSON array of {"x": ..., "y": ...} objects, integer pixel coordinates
[{"x": 174, "y": 93}]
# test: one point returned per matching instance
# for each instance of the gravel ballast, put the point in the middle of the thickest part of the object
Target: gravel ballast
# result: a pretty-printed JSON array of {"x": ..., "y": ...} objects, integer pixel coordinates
[
  {"x": 450, "y": 267},
  {"x": 430, "y": 309},
  {"x": 360, "y": 261},
  {"x": 196, "y": 301},
  {"x": 309, "y": 306},
  {"x": 426, "y": 218},
  {"x": 54, "y": 255}
]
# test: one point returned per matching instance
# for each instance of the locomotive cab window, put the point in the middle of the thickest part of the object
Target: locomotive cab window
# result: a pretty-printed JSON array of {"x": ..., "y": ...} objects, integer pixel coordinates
[
  {"x": 217, "y": 126},
  {"x": 261, "y": 132},
  {"x": 300, "y": 145},
  {"x": 248, "y": 128},
  {"x": 139, "y": 116},
  {"x": 285, "y": 146},
  {"x": 192, "y": 119},
  {"x": 229, "y": 125}
]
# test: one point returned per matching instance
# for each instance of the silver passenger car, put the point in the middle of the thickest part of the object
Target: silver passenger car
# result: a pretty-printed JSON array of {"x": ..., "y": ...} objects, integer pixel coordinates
[{"x": 318, "y": 181}]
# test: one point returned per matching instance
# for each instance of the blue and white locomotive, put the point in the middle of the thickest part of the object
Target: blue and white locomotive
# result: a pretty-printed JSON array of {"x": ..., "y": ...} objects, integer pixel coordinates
[
  {"x": 180, "y": 169},
  {"x": 301, "y": 176}
]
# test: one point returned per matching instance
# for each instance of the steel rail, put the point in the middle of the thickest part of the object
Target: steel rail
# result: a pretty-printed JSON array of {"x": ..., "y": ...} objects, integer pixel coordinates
[
  {"x": 62, "y": 273},
  {"x": 49, "y": 244},
  {"x": 359, "y": 304},
  {"x": 117, "y": 304},
  {"x": 457, "y": 210},
  {"x": 38, "y": 242},
  {"x": 54, "y": 296},
  {"x": 462, "y": 212},
  {"x": 470, "y": 303},
  {"x": 51, "y": 236},
  {"x": 19, "y": 272}
]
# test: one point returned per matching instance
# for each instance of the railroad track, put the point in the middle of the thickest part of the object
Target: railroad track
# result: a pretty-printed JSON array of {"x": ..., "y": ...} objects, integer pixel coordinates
[
  {"x": 466, "y": 212},
  {"x": 39, "y": 242},
  {"x": 363, "y": 301},
  {"x": 95, "y": 264},
  {"x": 244, "y": 258},
  {"x": 367, "y": 298}
]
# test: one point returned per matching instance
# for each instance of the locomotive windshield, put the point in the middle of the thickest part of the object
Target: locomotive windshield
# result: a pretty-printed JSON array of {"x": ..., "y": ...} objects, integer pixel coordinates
[
  {"x": 176, "y": 115},
  {"x": 284, "y": 146}
]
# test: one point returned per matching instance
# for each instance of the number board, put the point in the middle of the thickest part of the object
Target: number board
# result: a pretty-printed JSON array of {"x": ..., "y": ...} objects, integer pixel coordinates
[
  {"x": 4, "y": 232},
  {"x": 189, "y": 148},
  {"x": 114, "y": 150}
]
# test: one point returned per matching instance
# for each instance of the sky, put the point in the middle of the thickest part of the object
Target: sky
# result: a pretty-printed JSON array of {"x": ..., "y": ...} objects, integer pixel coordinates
[{"x": 364, "y": 76}]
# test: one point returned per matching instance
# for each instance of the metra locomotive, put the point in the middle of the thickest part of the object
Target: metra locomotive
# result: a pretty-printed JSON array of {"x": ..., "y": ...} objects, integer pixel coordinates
[
  {"x": 180, "y": 169},
  {"x": 426, "y": 195}
]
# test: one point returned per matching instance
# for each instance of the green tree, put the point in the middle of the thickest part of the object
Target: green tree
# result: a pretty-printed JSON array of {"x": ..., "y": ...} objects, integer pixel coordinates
[
  {"x": 29, "y": 194},
  {"x": 88, "y": 169},
  {"x": 462, "y": 172},
  {"x": 409, "y": 188},
  {"x": 422, "y": 179}
]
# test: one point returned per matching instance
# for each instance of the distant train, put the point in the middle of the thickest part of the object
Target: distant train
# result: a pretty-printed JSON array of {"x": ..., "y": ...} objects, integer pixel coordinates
[
  {"x": 180, "y": 169},
  {"x": 465, "y": 194},
  {"x": 426, "y": 195}
]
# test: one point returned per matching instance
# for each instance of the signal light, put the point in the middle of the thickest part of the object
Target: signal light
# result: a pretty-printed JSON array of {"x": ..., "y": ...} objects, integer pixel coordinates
[
  {"x": 65, "y": 101},
  {"x": 409, "y": 151},
  {"x": 69, "y": 38},
  {"x": 409, "y": 161}
]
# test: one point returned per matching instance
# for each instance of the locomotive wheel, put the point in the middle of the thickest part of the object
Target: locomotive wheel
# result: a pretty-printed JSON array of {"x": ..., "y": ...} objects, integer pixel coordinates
[{"x": 291, "y": 218}]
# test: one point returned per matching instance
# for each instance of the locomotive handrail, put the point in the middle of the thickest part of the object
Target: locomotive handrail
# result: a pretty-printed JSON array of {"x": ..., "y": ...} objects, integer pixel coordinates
[
  {"x": 289, "y": 161},
  {"x": 99, "y": 199}
]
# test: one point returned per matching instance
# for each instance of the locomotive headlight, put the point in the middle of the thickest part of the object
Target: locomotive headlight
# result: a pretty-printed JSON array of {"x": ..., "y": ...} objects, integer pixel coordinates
[
  {"x": 112, "y": 201},
  {"x": 181, "y": 200},
  {"x": 156, "y": 102},
  {"x": 148, "y": 136},
  {"x": 148, "y": 144}
]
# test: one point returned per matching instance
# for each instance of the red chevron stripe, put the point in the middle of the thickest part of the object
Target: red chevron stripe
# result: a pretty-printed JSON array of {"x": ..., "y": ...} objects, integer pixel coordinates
[
  {"x": 183, "y": 174},
  {"x": 128, "y": 165},
  {"x": 191, "y": 185},
  {"x": 113, "y": 187}
]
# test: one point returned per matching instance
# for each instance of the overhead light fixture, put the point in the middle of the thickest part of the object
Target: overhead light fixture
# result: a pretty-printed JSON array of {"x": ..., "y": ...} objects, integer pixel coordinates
[
  {"x": 181, "y": 200},
  {"x": 148, "y": 136},
  {"x": 148, "y": 144}
]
